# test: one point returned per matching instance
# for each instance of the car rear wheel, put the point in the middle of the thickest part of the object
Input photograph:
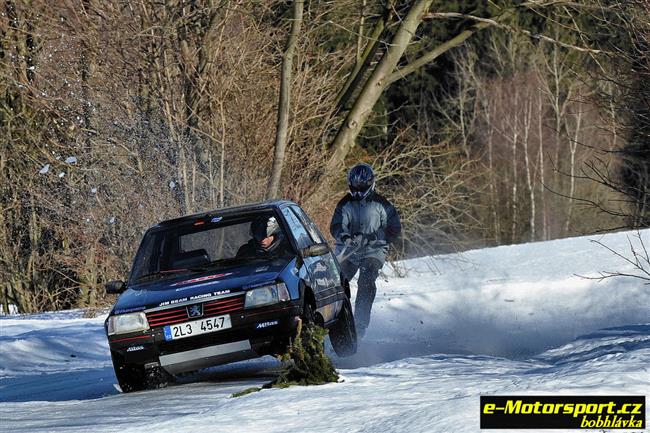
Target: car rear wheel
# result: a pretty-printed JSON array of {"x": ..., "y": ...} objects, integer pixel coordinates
[{"x": 343, "y": 334}]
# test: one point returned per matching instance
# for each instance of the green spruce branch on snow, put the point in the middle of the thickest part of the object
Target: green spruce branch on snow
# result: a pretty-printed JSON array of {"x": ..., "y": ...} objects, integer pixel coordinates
[{"x": 307, "y": 362}]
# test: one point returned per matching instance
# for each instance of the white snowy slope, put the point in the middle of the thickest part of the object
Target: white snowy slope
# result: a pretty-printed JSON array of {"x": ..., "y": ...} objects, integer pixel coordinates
[{"x": 508, "y": 320}]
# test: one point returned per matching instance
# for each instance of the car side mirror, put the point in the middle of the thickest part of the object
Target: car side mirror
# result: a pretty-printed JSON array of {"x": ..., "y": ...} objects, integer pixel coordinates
[
  {"x": 315, "y": 250},
  {"x": 115, "y": 287}
]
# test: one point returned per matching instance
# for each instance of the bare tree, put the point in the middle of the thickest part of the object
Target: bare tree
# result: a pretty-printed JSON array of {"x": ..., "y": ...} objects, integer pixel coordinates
[
  {"x": 386, "y": 71},
  {"x": 623, "y": 88},
  {"x": 637, "y": 256},
  {"x": 285, "y": 101}
]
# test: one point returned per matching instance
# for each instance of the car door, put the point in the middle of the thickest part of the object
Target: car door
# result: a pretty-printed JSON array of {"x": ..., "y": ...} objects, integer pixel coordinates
[
  {"x": 317, "y": 268},
  {"x": 328, "y": 266}
]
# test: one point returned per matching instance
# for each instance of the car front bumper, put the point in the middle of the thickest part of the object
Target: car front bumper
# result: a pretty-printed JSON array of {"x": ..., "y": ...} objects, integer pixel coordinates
[{"x": 254, "y": 333}]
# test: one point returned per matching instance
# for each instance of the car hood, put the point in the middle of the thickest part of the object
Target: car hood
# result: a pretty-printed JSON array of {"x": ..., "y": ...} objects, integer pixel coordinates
[{"x": 190, "y": 286}]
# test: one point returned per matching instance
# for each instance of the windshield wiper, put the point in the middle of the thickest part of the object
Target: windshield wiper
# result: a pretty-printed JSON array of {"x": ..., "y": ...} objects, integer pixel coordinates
[
  {"x": 212, "y": 265},
  {"x": 166, "y": 272},
  {"x": 232, "y": 260},
  {"x": 150, "y": 276}
]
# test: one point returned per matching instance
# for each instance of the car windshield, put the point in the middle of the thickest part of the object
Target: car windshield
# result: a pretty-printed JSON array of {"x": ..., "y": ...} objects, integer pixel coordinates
[{"x": 205, "y": 243}]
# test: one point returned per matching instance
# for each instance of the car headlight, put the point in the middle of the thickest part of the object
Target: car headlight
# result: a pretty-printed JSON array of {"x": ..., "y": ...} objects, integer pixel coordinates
[
  {"x": 123, "y": 323},
  {"x": 267, "y": 295}
]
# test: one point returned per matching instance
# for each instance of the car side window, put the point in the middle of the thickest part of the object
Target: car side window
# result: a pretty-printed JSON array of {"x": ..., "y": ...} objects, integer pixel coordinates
[
  {"x": 309, "y": 224},
  {"x": 297, "y": 229}
]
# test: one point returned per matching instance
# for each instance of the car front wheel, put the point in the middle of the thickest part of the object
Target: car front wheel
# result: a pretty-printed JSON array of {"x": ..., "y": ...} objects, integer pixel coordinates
[
  {"x": 134, "y": 377},
  {"x": 343, "y": 334},
  {"x": 130, "y": 377}
]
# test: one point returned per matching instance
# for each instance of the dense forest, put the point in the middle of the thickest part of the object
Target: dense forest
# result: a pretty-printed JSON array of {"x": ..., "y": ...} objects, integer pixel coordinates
[{"x": 488, "y": 123}]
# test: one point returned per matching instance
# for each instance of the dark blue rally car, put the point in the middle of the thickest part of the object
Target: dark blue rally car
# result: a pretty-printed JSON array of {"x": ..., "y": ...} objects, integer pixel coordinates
[{"x": 223, "y": 286}]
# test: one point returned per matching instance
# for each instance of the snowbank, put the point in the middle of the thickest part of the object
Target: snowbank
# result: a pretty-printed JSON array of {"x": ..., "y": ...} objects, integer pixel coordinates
[{"x": 510, "y": 301}]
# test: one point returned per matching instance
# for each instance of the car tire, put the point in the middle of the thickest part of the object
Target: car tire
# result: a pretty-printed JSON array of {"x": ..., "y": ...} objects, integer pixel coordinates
[
  {"x": 130, "y": 377},
  {"x": 308, "y": 316},
  {"x": 343, "y": 335},
  {"x": 134, "y": 377}
]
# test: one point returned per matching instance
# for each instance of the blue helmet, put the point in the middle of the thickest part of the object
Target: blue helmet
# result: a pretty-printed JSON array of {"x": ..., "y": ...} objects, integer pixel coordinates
[{"x": 361, "y": 180}]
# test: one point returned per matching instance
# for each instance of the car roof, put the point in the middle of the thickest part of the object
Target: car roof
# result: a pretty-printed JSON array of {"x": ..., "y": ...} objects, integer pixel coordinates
[{"x": 227, "y": 212}]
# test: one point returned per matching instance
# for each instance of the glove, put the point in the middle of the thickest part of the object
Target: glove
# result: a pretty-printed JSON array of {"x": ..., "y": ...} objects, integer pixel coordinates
[
  {"x": 359, "y": 240},
  {"x": 351, "y": 241},
  {"x": 370, "y": 237}
]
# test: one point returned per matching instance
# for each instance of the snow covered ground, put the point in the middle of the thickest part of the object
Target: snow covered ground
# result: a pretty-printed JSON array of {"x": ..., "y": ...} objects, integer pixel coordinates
[{"x": 507, "y": 320}]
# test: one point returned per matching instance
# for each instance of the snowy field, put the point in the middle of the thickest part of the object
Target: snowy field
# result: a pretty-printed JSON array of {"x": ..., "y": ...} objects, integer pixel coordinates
[{"x": 507, "y": 320}]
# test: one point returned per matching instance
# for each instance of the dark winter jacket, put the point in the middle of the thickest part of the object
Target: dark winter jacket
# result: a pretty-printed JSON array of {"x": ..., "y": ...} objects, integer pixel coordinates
[{"x": 374, "y": 217}]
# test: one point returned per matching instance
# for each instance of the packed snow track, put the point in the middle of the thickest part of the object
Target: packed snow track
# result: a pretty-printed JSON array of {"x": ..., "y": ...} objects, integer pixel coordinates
[{"x": 508, "y": 320}]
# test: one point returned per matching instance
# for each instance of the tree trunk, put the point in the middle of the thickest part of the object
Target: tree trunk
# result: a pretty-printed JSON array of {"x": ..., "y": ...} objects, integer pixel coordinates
[
  {"x": 365, "y": 58},
  {"x": 285, "y": 99},
  {"x": 529, "y": 175},
  {"x": 573, "y": 146},
  {"x": 370, "y": 93},
  {"x": 493, "y": 184},
  {"x": 540, "y": 155},
  {"x": 515, "y": 138},
  {"x": 362, "y": 19}
]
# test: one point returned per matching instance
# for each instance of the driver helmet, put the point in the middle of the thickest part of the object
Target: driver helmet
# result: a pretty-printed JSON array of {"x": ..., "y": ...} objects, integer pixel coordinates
[{"x": 264, "y": 227}]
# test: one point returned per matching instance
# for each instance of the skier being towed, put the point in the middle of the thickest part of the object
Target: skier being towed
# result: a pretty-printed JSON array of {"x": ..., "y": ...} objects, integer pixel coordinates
[{"x": 363, "y": 225}]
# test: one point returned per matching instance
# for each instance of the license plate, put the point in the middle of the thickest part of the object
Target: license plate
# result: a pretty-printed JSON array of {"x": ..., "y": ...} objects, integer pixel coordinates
[{"x": 197, "y": 327}]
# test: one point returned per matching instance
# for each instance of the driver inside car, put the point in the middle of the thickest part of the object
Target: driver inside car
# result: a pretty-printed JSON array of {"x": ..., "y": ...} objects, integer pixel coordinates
[{"x": 267, "y": 239}]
